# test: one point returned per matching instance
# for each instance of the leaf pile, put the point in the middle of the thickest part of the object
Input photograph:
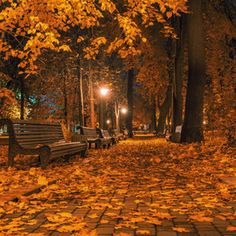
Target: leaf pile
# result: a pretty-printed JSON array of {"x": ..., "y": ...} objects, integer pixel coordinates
[{"x": 133, "y": 183}]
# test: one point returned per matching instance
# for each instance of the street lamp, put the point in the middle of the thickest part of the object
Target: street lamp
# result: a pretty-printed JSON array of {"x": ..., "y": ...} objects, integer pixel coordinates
[
  {"x": 123, "y": 110},
  {"x": 103, "y": 94},
  {"x": 104, "y": 91}
]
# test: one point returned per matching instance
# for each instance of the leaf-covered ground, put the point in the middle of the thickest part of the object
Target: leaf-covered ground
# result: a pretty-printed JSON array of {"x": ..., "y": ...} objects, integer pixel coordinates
[{"x": 138, "y": 187}]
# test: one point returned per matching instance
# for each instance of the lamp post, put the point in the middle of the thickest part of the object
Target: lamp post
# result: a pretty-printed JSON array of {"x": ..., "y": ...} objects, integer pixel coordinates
[
  {"x": 123, "y": 111},
  {"x": 103, "y": 94}
]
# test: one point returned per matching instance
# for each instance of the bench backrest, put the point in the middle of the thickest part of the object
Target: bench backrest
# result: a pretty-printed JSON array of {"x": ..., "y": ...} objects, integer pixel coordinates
[
  {"x": 33, "y": 133},
  {"x": 89, "y": 132},
  {"x": 105, "y": 134}
]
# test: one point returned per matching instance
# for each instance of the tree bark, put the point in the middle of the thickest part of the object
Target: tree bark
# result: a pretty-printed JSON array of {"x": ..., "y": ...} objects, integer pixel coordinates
[
  {"x": 192, "y": 128},
  {"x": 65, "y": 101},
  {"x": 92, "y": 113},
  {"x": 22, "y": 99},
  {"x": 154, "y": 117},
  {"x": 130, "y": 102},
  {"x": 163, "y": 111},
  {"x": 117, "y": 116},
  {"x": 178, "y": 82},
  {"x": 80, "y": 95}
]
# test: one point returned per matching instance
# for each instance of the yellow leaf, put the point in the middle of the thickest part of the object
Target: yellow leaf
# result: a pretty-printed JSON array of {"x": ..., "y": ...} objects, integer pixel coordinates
[
  {"x": 86, "y": 232},
  {"x": 42, "y": 180},
  {"x": 110, "y": 214},
  {"x": 36, "y": 234},
  {"x": 122, "y": 234},
  {"x": 92, "y": 216},
  {"x": 32, "y": 222},
  {"x": 180, "y": 230},
  {"x": 104, "y": 221},
  {"x": 65, "y": 48},
  {"x": 32, "y": 171},
  {"x": 65, "y": 214},
  {"x": 231, "y": 228},
  {"x": 201, "y": 218},
  {"x": 142, "y": 231}
]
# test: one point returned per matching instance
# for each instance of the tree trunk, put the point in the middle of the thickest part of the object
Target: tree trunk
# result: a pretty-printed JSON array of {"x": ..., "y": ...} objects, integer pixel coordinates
[
  {"x": 80, "y": 95},
  {"x": 22, "y": 99},
  {"x": 192, "y": 128},
  {"x": 154, "y": 117},
  {"x": 92, "y": 113},
  {"x": 178, "y": 82},
  {"x": 130, "y": 102},
  {"x": 65, "y": 101},
  {"x": 117, "y": 115},
  {"x": 163, "y": 111}
]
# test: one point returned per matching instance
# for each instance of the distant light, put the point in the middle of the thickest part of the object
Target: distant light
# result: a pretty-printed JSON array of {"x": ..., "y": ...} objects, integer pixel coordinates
[
  {"x": 204, "y": 122},
  {"x": 104, "y": 91},
  {"x": 108, "y": 121},
  {"x": 123, "y": 110}
]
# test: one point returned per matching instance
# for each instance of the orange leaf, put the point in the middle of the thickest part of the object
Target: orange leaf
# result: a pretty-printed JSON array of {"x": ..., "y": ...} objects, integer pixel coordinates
[{"x": 231, "y": 228}]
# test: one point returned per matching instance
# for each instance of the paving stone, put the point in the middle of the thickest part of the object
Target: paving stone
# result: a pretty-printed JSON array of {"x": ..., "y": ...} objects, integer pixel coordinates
[
  {"x": 125, "y": 230},
  {"x": 162, "y": 228},
  {"x": 221, "y": 229},
  {"x": 81, "y": 210},
  {"x": 42, "y": 230},
  {"x": 31, "y": 228},
  {"x": 152, "y": 231},
  {"x": 60, "y": 234},
  {"x": 209, "y": 233},
  {"x": 91, "y": 225},
  {"x": 104, "y": 230},
  {"x": 188, "y": 234},
  {"x": 166, "y": 233},
  {"x": 15, "y": 215},
  {"x": 144, "y": 225},
  {"x": 167, "y": 223},
  {"x": 191, "y": 228}
]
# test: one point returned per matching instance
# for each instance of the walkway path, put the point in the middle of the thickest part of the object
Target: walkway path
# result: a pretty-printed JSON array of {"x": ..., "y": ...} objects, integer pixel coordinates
[{"x": 138, "y": 187}]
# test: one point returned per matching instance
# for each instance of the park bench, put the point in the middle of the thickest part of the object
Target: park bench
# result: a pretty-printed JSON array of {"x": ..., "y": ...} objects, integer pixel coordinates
[
  {"x": 118, "y": 136},
  {"x": 39, "y": 138},
  {"x": 93, "y": 135},
  {"x": 107, "y": 137},
  {"x": 125, "y": 133}
]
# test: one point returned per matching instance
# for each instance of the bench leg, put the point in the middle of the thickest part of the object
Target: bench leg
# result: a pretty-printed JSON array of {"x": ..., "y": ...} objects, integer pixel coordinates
[
  {"x": 98, "y": 144},
  {"x": 12, "y": 151},
  {"x": 67, "y": 158},
  {"x": 44, "y": 157},
  {"x": 84, "y": 153}
]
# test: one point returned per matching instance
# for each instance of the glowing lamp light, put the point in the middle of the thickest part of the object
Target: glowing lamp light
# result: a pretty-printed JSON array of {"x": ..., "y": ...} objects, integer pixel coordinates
[
  {"x": 108, "y": 122},
  {"x": 104, "y": 91},
  {"x": 123, "y": 110}
]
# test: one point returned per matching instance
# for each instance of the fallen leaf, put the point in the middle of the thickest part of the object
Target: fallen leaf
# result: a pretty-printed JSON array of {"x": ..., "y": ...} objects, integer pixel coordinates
[
  {"x": 42, "y": 180},
  {"x": 231, "y": 228},
  {"x": 142, "y": 231},
  {"x": 180, "y": 229}
]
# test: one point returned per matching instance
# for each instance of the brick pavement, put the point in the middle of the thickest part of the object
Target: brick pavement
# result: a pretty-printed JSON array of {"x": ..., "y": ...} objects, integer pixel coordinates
[
  {"x": 105, "y": 220},
  {"x": 116, "y": 212}
]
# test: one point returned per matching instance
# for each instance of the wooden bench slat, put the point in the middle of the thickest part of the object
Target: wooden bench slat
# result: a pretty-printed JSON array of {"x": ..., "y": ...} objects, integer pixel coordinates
[
  {"x": 34, "y": 144},
  {"x": 39, "y": 137}
]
